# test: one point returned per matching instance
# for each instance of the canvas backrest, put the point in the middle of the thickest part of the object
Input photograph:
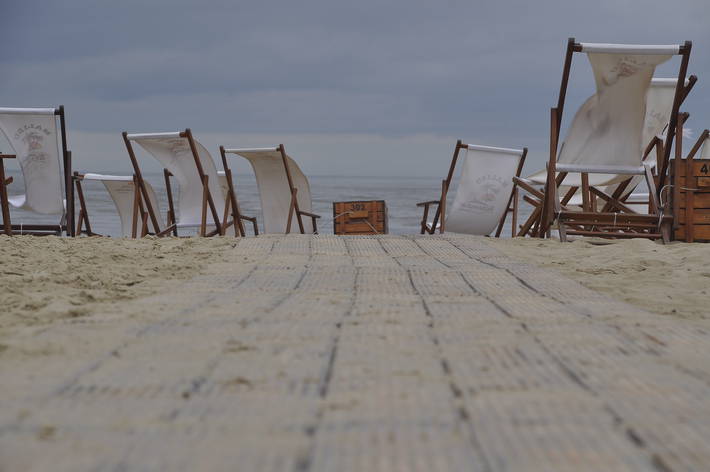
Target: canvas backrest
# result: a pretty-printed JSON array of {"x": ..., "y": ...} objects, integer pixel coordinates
[
  {"x": 173, "y": 152},
  {"x": 609, "y": 127},
  {"x": 32, "y": 133},
  {"x": 274, "y": 190},
  {"x": 483, "y": 189}
]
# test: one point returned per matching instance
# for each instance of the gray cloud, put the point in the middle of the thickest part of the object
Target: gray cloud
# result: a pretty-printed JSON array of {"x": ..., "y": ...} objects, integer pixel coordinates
[{"x": 381, "y": 69}]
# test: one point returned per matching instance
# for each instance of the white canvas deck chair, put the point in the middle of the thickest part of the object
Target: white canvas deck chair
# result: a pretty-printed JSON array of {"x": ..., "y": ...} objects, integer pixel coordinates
[
  {"x": 659, "y": 106},
  {"x": 125, "y": 193},
  {"x": 484, "y": 194},
  {"x": 41, "y": 151},
  {"x": 283, "y": 189},
  {"x": 184, "y": 158},
  {"x": 604, "y": 143}
]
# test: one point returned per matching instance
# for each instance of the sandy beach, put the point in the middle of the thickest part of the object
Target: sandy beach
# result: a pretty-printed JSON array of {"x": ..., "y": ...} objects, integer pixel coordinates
[
  {"x": 328, "y": 353},
  {"x": 671, "y": 279},
  {"x": 48, "y": 279}
]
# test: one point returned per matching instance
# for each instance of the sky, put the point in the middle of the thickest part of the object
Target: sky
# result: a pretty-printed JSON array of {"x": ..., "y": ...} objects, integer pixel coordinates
[{"x": 351, "y": 88}]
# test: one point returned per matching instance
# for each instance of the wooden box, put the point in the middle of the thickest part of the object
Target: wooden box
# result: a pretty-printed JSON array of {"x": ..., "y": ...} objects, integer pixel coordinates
[
  {"x": 691, "y": 200},
  {"x": 360, "y": 217}
]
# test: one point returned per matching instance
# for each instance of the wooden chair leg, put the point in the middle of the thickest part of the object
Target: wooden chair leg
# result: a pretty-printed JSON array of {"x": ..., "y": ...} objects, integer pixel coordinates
[
  {"x": 79, "y": 222},
  {"x": 225, "y": 223},
  {"x": 291, "y": 210},
  {"x": 136, "y": 204},
  {"x": 144, "y": 224},
  {"x": 4, "y": 201},
  {"x": 203, "y": 223},
  {"x": 514, "y": 223},
  {"x": 442, "y": 208},
  {"x": 84, "y": 209},
  {"x": 424, "y": 218}
]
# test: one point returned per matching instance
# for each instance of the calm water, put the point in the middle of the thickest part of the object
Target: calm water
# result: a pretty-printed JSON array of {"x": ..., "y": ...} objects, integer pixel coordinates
[{"x": 400, "y": 193}]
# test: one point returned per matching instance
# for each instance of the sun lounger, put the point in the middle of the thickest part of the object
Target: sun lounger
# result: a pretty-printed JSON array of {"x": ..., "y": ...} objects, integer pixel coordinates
[
  {"x": 604, "y": 142},
  {"x": 41, "y": 151},
  {"x": 484, "y": 193},
  {"x": 283, "y": 189}
]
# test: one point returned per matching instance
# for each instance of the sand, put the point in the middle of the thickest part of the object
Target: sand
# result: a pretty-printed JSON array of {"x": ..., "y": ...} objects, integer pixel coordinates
[
  {"x": 45, "y": 279},
  {"x": 671, "y": 279}
]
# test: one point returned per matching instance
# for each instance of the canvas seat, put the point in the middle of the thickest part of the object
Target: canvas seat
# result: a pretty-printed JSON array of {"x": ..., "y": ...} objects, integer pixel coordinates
[
  {"x": 283, "y": 189},
  {"x": 484, "y": 194},
  {"x": 40, "y": 148},
  {"x": 603, "y": 145}
]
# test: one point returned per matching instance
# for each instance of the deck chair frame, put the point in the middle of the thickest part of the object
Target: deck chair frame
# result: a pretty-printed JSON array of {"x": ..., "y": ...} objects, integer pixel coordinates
[
  {"x": 606, "y": 224},
  {"x": 615, "y": 200},
  {"x": 294, "y": 209},
  {"x": 140, "y": 211},
  {"x": 440, "y": 214},
  {"x": 231, "y": 202},
  {"x": 207, "y": 199},
  {"x": 67, "y": 222}
]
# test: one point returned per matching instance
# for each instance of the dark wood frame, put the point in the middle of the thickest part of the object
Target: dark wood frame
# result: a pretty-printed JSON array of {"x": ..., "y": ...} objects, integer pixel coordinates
[
  {"x": 207, "y": 200},
  {"x": 67, "y": 224},
  {"x": 84, "y": 224},
  {"x": 535, "y": 196},
  {"x": 606, "y": 223},
  {"x": 293, "y": 207},
  {"x": 232, "y": 204},
  {"x": 441, "y": 203}
]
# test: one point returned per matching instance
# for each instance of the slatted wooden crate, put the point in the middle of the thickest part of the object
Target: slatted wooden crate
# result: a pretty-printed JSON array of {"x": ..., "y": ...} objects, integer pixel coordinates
[
  {"x": 691, "y": 200},
  {"x": 369, "y": 217}
]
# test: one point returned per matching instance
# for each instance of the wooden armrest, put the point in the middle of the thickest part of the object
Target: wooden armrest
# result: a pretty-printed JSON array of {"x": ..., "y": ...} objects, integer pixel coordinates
[
  {"x": 430, "y": 202},
  {"x": 7, "y": 156},
  {"x": 312, "y": 215}
]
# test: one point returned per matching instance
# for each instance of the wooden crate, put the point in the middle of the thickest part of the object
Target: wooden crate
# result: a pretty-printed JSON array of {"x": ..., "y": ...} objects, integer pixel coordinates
[
  {"x": 691, "y": 200},
  {"x": 368, "y": 217}
]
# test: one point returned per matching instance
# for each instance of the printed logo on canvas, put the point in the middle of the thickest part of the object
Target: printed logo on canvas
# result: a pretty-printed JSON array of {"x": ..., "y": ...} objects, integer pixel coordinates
[
  {"x": 485, "y": 194},
  {"x": 34, "y": 137}
]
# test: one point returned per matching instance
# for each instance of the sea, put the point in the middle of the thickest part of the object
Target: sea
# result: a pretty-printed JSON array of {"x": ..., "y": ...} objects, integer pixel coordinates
[{"x": 400, "y": 194}]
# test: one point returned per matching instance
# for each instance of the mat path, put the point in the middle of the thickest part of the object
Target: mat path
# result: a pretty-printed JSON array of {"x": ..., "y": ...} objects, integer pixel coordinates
[{"x": 362, "y": 354}]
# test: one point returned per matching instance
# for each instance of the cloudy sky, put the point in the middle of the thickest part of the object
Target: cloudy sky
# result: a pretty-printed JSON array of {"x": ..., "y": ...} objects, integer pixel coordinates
[{"x": 357, "y": 88}]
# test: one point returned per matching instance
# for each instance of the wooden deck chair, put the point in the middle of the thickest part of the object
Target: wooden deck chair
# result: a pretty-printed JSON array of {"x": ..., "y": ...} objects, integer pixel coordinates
[
  {"x": 603, "y": 145},
  {"x": 484, "y": 195},
  {"x": 41, "y": 151},
  {"x": 125, "y": 193},
  {"x": 659, "y": 105},
  {"x": 283, "y": 189},
  {"x": 228, "y": 186},
  {"x": 190, "y": 163}
]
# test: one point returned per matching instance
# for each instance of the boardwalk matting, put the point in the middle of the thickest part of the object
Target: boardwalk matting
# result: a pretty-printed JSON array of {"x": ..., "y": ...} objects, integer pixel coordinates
[{"x": 325, "y": 353}]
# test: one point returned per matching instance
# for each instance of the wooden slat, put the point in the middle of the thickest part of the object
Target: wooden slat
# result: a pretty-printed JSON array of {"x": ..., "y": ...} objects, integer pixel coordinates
[
  {"x": 700, "y": 233},
  {"x": 702, "y": 200},
  {"x": 700, "y": 167}
]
